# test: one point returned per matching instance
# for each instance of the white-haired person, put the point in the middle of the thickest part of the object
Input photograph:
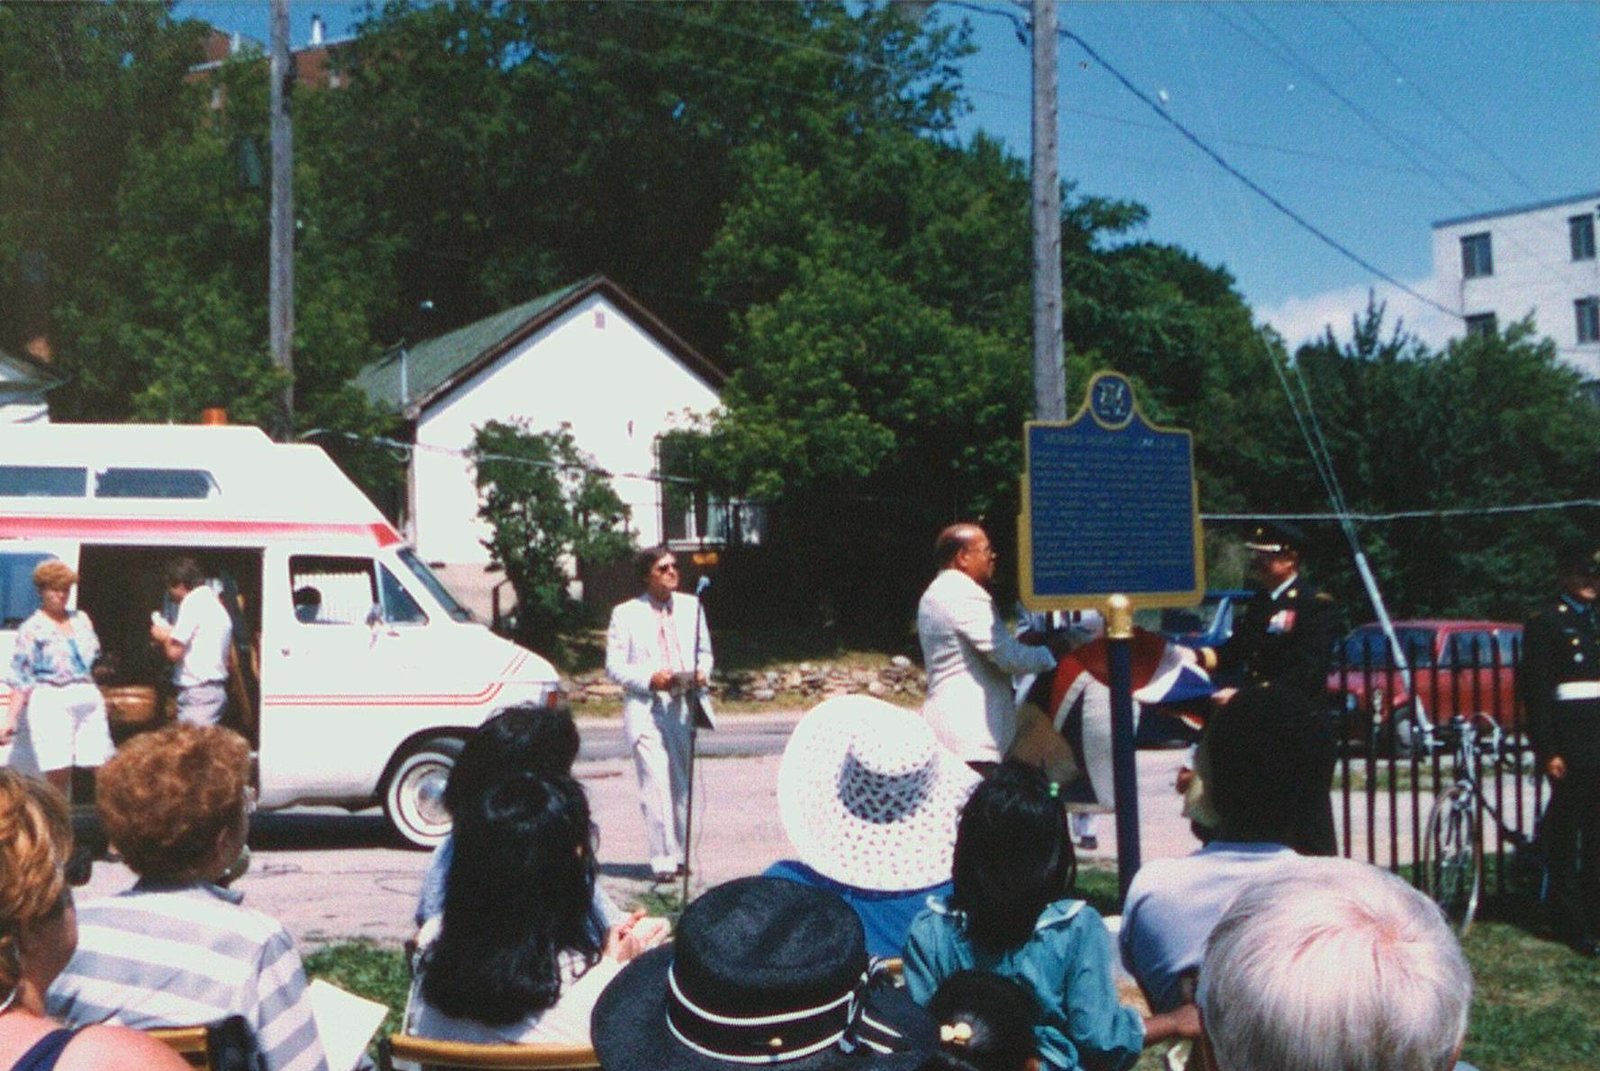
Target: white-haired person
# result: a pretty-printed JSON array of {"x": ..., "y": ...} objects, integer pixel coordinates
[{"x": 1333, "y": 965}]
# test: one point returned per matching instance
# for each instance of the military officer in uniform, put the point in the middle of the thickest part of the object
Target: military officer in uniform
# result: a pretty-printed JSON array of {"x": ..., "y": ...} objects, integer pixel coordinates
[
  {"x": 1560, "y": 684},
  {"x": 1284, "y": 637}
]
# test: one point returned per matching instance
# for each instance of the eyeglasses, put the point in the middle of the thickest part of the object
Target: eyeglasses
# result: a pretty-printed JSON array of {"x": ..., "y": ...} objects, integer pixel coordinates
[{"x": 665, "y": 567}]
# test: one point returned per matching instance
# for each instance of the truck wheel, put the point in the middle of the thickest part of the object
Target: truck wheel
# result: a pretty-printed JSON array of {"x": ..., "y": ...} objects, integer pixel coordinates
[{"x": 413, "y": 798}]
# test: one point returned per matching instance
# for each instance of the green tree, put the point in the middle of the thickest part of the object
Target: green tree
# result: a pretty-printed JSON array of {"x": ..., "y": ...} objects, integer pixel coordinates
[
  {"x": 552, "y": 512},
  {"x": 1487, "y": 422},
  {"x": 82, "y": 86}
]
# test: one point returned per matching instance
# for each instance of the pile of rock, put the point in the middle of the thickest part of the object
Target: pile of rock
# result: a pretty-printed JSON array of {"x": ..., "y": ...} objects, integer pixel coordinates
[{"x": 806, "y": 681}]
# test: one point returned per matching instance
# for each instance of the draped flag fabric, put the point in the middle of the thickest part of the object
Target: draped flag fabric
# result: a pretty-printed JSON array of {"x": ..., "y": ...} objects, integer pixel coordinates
[{"x": 1079, "y": 700}]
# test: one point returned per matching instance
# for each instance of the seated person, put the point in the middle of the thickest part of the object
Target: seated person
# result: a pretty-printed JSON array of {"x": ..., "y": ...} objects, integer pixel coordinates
[
  {"x": 1011, "y": 914},
  {"x": 763, "y": 972},
  {"x": 307, "y": 603},
  {"x": 527, "y": 967},
  {"x": 1259, "y": 765},
  {"x": 520, "y": 739},
  {"x": 1331, "y": 963},
  {"x": 869, "y": 800},
  {"x": 985, "y": 1024},
  {"x": 38, "y": 929},
  {"x": 176, "y": 949}
]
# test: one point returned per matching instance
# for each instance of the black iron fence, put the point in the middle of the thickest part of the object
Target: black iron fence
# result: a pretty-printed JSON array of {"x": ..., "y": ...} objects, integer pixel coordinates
[{"x": 1396, "y": 754}]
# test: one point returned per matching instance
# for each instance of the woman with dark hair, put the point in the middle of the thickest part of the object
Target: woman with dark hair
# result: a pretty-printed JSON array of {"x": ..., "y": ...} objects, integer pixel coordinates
[
  {"x": 518, "y": 957},
  {"x": 518, "y": 739},
  {"x": 985, "y": 1024},
  {"x": 1009, "y": 914}
]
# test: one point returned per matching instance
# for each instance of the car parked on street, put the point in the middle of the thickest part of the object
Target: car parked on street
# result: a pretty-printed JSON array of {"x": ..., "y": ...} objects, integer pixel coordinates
[{"x": 1454, "y": 667}]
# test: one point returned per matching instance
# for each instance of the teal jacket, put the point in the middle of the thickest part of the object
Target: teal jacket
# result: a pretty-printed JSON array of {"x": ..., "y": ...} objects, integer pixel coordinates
[{"x": 1067, "y": 965}]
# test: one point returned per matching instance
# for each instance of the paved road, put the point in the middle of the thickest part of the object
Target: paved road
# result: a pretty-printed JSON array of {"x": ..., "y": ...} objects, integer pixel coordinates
[{"x": 331, "y": 875}]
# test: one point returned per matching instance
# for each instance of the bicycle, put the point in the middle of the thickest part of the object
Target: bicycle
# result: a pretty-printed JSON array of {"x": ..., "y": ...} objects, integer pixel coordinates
[{"x": 1451, "y": 866}]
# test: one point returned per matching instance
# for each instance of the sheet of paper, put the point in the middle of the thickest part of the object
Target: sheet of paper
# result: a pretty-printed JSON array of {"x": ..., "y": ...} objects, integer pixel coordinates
[{"x": 345, "y": 1021}]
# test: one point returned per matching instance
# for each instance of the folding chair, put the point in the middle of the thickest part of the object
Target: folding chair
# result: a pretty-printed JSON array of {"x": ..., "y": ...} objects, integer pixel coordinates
[
  {"x": 430, "y": 1055},
  {"x": 228, "y": 1045},
  {"x": 188, "y": 1042}
]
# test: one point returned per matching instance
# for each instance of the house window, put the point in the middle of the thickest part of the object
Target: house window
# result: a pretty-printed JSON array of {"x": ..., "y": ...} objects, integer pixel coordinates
[
  {"x": 1588, "y": 315},
  {"x": 1481, "y": 325},
  {"x": 1581, "y": 231},
  {"x": 1476, "y": 257},
  {"x": 690, "y": 511}
]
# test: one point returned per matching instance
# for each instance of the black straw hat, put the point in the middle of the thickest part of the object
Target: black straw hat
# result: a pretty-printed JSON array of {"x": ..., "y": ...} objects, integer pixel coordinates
[{"x": 763, "y": 972}]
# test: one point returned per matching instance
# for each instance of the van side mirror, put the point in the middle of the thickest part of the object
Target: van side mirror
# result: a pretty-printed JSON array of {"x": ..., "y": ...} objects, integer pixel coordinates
[{"x": 375, "y": 616}]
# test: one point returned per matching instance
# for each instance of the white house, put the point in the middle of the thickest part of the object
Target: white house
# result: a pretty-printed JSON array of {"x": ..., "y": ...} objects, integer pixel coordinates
[
  {"x": 588, "y": 356},
  {"x": 1496, "y": 267},
  {"x": 24, "y": 383}
]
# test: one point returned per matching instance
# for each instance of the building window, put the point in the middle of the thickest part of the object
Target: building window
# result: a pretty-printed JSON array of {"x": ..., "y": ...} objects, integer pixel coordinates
[
  {"x": 1581, "y": 230},
  {"x": 1481, "y": 324},
  {"x": 1476, "y": 257},
  {"x": 1588, "y": 313}
]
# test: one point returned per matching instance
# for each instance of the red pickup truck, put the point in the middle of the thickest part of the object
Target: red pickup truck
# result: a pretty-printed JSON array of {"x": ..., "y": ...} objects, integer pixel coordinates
[{"x": 1456, "y": 667}]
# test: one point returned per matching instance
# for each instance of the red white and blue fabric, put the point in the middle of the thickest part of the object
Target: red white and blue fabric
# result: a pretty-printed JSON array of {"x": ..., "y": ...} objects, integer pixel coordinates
[{"x": 1079, "y": 697}]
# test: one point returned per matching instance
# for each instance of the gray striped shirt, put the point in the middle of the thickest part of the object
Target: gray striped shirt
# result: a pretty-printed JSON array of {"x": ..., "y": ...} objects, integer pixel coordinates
[{"x": 180, "y": 955}]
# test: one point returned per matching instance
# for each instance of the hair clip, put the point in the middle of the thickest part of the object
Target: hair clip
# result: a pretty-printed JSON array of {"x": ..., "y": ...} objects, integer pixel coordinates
[
  {"x": 1055, "y": 790},
  {"x": 955, "y": 1033}
]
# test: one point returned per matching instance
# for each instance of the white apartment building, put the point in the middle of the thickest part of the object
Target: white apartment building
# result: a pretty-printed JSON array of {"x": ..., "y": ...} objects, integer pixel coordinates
[{"x": 1497, "y": 267}]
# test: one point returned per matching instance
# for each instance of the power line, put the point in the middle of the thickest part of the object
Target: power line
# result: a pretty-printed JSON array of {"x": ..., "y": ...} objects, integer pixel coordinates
[
  {"x": 1412, "y": 514},
  {"x": 1286, "y": 54},
  {"x": 1459, "y": 127},
  {"x": 1255, "y": 187}
]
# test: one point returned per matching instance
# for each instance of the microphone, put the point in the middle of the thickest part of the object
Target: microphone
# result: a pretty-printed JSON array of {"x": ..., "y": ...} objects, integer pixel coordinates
[{"x": 701, "y": 585}]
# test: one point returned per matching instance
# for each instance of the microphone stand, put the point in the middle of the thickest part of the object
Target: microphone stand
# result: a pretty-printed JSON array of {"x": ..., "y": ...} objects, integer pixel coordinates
[{"x": 692, "y": 704}]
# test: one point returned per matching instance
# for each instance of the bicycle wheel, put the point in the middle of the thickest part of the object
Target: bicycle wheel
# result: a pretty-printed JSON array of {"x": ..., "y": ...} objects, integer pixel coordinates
[{"x": 1451, "y": 873}]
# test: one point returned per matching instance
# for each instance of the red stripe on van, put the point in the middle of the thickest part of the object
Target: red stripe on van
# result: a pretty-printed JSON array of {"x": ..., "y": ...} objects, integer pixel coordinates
[{"x": 102, "y": 529}]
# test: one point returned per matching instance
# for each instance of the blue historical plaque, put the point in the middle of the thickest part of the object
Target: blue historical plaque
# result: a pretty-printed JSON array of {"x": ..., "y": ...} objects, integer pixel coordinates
[{"x": 1109, "y": 507}]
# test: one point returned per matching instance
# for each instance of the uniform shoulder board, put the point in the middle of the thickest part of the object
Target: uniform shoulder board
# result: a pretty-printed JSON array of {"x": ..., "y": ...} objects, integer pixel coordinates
[{"x": 1323, "y": 596}]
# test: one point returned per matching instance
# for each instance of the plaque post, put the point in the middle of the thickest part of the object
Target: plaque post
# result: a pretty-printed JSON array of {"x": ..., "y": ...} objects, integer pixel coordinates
[{"x": 1124, "y": 769}]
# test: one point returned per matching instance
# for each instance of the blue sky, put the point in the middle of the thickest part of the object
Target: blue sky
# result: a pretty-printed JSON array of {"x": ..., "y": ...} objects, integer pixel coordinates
[{"x": 1371, "y": 120}]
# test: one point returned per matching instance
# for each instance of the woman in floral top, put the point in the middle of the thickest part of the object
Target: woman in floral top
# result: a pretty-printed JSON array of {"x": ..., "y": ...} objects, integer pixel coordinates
[{"x": 56, "y": 717}]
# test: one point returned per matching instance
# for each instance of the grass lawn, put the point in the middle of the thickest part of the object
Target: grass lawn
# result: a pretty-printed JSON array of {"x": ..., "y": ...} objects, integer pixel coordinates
[{"x": 1534, "y": 1006}]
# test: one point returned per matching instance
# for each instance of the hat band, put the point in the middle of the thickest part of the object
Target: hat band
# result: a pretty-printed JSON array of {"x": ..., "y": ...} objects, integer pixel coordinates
[
  {"x": 760, "y": 1039},
  {"x": 882, "y": 798}
]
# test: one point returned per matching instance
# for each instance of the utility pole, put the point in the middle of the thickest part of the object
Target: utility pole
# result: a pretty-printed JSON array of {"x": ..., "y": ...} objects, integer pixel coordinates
[
  {"x": 280, "y": 270},
  {"x": 1049, "y": 377}
]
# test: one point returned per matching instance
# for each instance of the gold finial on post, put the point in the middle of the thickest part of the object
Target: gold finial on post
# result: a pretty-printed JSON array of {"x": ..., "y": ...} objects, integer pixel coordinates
[{"x": 1119, "y": 618}]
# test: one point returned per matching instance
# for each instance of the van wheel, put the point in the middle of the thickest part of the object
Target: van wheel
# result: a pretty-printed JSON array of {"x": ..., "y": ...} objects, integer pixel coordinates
[{"x": 413, "y": 799}]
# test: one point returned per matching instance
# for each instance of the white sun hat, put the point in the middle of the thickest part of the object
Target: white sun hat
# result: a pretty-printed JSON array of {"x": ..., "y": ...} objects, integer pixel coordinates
[{"x": 869, "y": 798}]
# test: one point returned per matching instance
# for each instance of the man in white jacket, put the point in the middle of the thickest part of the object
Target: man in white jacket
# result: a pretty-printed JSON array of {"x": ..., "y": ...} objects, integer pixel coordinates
[
  {"x": 659, "y": 650},
  {"x": 969, "y": 655}
]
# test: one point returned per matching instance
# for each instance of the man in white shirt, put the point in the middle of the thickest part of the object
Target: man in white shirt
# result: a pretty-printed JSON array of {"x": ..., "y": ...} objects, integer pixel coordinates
[
  {"x": 1258, "y": 779},
  {"x": 197, "y": 643},
  {"x": 969, "y": 655},
  {"x": 659, "y": 649}
]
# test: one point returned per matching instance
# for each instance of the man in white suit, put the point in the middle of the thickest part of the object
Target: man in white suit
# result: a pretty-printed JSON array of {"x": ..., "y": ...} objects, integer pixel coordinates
[
  {"x": 969, "y": 655},
  {"x": 651, "y": 650}
]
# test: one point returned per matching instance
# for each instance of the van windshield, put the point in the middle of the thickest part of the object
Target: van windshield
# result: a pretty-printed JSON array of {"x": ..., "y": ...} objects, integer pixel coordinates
[{"x": 435, "y": 586}]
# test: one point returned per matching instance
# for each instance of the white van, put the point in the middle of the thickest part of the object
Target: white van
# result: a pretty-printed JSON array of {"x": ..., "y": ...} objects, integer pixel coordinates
[{"x": 366, "y": 695}]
